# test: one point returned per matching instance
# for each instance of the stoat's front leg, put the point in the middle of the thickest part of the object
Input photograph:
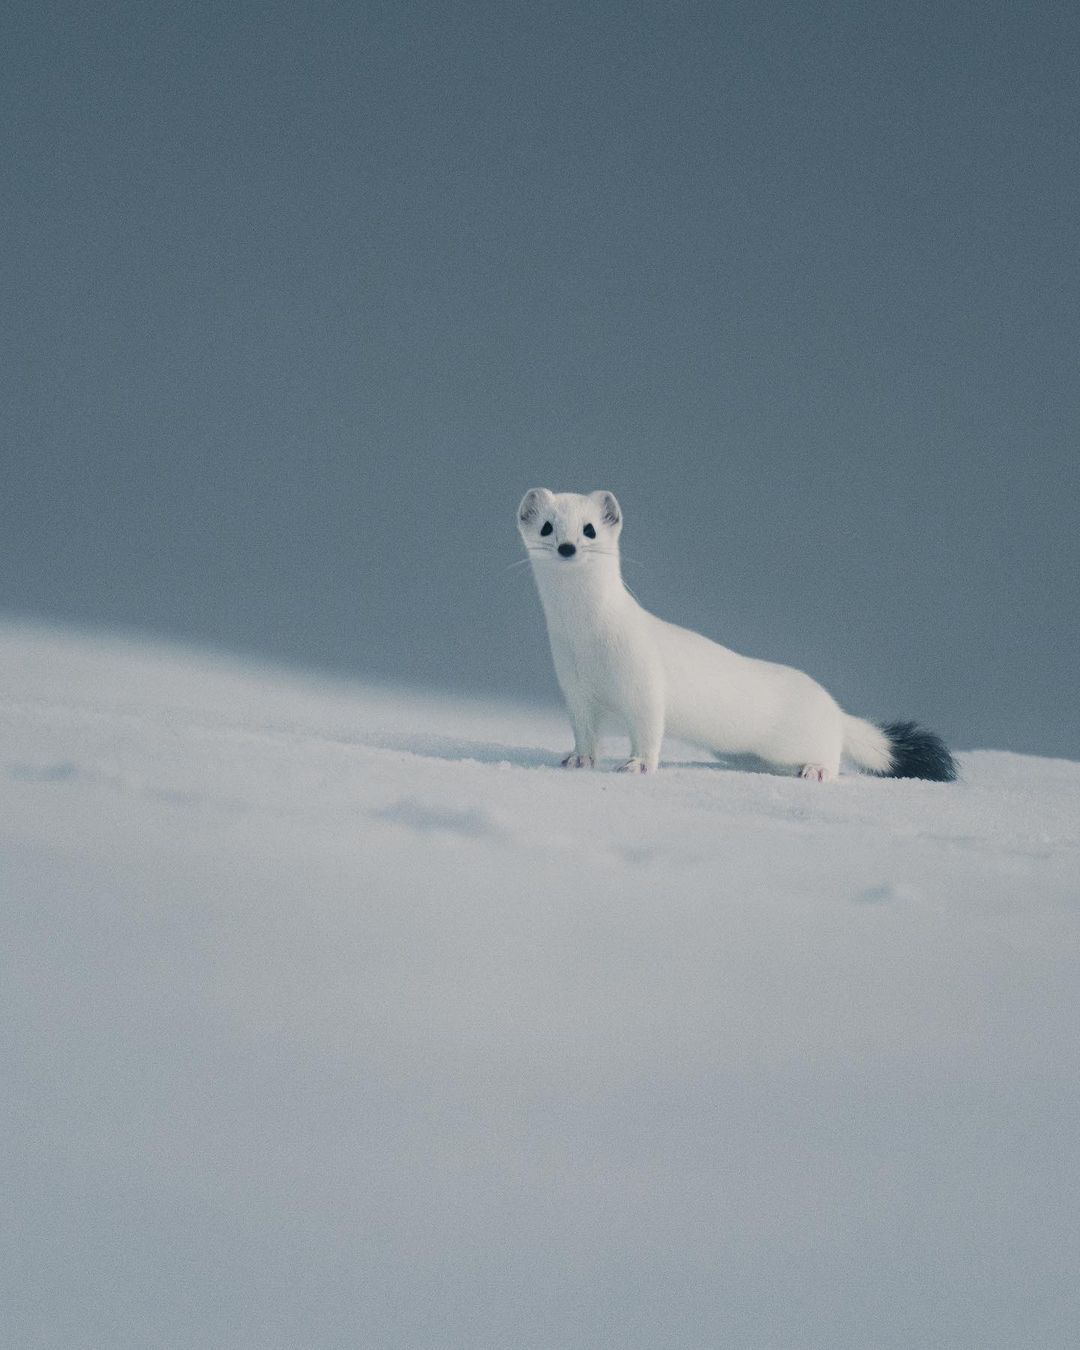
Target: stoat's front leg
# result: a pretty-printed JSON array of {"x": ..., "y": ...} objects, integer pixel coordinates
[
  {"x": 584, "y": 720},
  {"x": 644, "y": 713}
]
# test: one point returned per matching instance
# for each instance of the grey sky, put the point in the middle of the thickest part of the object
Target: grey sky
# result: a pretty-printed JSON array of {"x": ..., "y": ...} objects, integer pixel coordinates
[{"x": 299, "y": 300}]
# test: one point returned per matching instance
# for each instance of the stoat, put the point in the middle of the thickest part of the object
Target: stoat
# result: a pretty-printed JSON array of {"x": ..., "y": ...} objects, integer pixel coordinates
[{"x": 616, "y": 661}]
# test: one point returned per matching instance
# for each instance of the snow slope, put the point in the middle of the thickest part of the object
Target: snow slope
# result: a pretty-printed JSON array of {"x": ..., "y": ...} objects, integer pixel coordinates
[{"x": 341, "y": 1017}]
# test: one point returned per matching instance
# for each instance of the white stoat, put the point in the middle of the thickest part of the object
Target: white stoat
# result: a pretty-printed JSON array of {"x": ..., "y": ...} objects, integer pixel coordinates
[{"x": 615, "y": 660}]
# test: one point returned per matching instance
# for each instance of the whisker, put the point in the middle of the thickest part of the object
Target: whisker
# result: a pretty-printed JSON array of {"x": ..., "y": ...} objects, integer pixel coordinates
[{"x": 547, "y": 551}]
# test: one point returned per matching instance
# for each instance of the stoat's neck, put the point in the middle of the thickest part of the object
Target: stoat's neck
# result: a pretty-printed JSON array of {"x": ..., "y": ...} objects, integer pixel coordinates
[{"x": 578, "y": 593}]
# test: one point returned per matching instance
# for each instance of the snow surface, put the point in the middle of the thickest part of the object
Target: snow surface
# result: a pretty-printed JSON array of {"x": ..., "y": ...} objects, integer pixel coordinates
[{"x": 342, "y": 1017}]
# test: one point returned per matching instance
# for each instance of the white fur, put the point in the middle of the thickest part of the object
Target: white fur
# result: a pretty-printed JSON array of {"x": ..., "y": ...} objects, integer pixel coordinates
[{"x": 616, "y": 661}]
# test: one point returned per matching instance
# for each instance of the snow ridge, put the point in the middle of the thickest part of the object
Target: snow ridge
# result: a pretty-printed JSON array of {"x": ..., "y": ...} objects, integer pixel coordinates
[{"x": 338, "y": 1016}]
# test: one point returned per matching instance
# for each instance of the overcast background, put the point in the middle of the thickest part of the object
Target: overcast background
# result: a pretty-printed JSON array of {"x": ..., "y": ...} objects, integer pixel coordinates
[{"x": 299, "y": 299}]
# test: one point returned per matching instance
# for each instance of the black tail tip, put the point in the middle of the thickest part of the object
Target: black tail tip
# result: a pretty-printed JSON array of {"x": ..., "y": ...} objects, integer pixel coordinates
[{"x": 917, "y": 753}]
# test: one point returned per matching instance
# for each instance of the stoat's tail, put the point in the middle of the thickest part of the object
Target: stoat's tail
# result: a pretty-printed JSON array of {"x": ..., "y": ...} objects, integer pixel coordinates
[{"x": 898, "y": 750}]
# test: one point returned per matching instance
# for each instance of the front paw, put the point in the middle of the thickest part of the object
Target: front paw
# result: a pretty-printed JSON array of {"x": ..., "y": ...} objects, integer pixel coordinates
[
  {"x": 636, "y": 765},
  {"x": 578, "y": 762}
]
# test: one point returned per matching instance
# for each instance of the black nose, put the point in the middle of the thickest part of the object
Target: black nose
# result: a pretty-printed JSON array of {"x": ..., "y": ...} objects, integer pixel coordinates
[{"x": 567, "y": 550}]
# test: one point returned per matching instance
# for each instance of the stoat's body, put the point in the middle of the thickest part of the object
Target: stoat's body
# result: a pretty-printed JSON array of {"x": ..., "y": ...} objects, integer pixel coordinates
[{"x": 616, "y": 661}]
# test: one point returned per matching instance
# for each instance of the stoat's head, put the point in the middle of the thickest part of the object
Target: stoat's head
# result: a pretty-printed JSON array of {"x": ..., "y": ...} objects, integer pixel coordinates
[{"x": 569, "y": 527}]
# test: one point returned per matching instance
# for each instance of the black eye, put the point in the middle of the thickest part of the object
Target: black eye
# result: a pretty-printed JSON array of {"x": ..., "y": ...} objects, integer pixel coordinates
[
  {"x": 589, "y": 532},
  {"x": 546, "y": 527}
]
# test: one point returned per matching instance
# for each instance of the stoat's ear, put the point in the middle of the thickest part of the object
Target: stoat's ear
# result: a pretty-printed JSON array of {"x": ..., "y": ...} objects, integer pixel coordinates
[
  {"x": 532, "y": 504},
  {"x": 610, "y": 513}
]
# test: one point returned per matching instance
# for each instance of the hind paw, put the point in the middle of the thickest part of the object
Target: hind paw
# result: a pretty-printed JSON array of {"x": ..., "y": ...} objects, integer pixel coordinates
[
  {"x": 578, "y": 762},
  {"x": 817, "y": 773}
]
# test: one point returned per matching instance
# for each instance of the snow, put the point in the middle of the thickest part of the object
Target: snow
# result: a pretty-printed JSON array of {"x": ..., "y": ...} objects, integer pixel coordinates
[{"x": 335, "y": 1016}]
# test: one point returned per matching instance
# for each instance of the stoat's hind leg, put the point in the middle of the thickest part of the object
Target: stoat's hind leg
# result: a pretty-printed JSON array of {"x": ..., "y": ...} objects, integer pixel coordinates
[{"x": 818, "y": 773}]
